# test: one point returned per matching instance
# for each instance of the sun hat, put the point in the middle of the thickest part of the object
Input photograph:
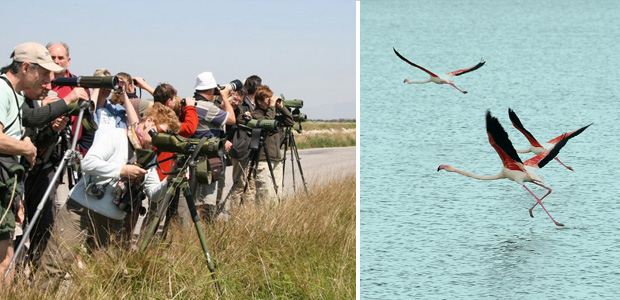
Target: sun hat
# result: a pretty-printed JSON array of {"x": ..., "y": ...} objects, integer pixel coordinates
[
  {"x": 35, "y": 53},
  {"x": 205, "y": 81}
]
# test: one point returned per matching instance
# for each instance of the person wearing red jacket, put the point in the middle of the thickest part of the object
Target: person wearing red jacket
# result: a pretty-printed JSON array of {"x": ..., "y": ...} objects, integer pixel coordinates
[
  {"x": 166, "y": 94},
  {"x": 60, "y": 55}
]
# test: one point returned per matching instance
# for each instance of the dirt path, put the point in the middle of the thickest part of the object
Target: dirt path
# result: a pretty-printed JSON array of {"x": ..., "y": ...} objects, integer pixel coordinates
[{"x": 318, "y": 165}]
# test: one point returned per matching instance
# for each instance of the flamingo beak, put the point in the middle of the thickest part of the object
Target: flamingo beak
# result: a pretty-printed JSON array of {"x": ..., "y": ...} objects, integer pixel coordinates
[{"x": 441, "y": 167}]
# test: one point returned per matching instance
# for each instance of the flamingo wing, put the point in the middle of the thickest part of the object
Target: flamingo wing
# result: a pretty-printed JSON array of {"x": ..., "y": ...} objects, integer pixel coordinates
[
  {"x": 517, "y": 124},
  {"x": 498, "y": 138},
  {"x": 425, "y": 70},
  {"x": 542, "y": 159},
  {"x": 463, "y": 71},
  {"x": 571, "y": 134}
]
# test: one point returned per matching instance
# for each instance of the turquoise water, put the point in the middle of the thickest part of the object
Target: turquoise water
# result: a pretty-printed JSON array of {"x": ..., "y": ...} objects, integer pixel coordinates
[{"x": 438, "y": 235}]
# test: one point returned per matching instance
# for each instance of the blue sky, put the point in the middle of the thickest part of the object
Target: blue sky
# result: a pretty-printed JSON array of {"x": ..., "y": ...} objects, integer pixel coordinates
[{"x": 303, "y": 49}]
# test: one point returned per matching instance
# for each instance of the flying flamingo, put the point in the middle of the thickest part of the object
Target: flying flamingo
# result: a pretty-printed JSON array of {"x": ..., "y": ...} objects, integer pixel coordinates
[
  {"x": 514, "y": 169},
  {"x": 535, "y": 146},
  {"x": 441, "y": 79}
]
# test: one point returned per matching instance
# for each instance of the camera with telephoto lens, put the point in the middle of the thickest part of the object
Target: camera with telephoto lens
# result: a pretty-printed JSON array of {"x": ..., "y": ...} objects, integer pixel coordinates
[{"x": 234, "y": 85}]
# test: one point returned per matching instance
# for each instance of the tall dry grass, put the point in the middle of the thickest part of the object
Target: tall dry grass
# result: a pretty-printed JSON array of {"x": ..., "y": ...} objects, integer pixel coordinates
[
  {"x": 325, "y": 134},
  {"x": 302, "y": 249}
]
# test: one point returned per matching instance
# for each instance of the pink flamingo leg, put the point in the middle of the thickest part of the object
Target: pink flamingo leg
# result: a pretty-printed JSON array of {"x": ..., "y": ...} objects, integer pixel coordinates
[
  {"x": 452, "y": 84},
  {"x": 541, "y": 205},
  {"x": 543, "y": 197},
  {"x": 570, "y": 168}
]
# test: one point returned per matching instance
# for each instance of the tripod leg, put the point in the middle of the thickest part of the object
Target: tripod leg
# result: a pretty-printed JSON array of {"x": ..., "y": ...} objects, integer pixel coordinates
[
  {"x": 301, "y": 172},
  {"x": 236, "y": 180},
  {"x": 192, "y": 210},
  {"x": 26, "y": 233},
  {"x": 291, "y": 141},
  {"x": 171, "y": 211},
  {"x": 273, "y": 178},
  {"x": 68, "y": 155},
  {"x": 285, "y": 142},
  {"x": 160, "y": 211},
  {"x": 252, "y": 162}
]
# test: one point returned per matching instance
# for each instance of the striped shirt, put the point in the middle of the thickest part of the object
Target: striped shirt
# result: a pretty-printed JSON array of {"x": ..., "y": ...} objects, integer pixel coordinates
[{"x": 211, "y": 119}]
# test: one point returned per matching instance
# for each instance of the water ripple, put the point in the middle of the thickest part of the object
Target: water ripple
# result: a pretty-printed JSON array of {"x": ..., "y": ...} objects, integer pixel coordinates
[{"x": 438, "y": 235}]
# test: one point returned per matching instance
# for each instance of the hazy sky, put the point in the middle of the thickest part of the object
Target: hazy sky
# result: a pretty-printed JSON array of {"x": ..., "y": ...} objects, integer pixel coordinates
[{"x": 303, "y": 49}]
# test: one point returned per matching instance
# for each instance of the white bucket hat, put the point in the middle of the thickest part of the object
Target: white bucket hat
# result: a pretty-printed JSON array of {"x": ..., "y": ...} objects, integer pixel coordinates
[{"x": 205, "y": 81}]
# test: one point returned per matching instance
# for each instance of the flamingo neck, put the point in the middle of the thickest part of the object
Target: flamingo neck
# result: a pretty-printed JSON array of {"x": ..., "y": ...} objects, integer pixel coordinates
[
  {"x": 524, "y": 151},
  {"x": 479, "y": 177},
  {"x": 417, "y": 82}
]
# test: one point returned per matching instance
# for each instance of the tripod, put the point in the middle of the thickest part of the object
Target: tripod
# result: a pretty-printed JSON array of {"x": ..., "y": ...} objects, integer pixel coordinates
[
  {"x": 180, "y": 183},
  {"x": 259, "y": 137},
  {"x": 70, "y": 154},
  {"x": 288, "y": 139},
  {"x": 73, "y": 171}
]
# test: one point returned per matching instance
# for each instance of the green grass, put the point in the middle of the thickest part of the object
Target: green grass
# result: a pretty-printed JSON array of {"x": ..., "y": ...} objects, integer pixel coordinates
[{"x": 302, "y": 249}]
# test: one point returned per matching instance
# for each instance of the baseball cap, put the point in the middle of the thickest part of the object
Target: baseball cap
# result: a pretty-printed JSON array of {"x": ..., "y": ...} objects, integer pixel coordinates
[
  {"x": 205, "y": 81},
  {"x": 35, "y": 53}
]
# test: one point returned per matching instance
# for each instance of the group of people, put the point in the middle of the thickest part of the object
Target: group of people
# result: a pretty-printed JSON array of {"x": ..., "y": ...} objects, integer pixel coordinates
[{"x": 36, "y": 115}]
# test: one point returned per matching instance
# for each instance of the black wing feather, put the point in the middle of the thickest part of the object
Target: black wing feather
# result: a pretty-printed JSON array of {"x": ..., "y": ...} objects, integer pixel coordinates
[
  {"x": 556, "y": 149},
  {"x": 500, "y": 137},
  {"x": 476, "y": 67},
  {"x": 515, "y": 120}
]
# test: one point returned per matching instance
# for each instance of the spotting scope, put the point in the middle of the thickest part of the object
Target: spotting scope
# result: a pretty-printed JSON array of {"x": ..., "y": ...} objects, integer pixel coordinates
[
  {"x": 91, "y": 82},
  {"x": 171, "y": 142}
]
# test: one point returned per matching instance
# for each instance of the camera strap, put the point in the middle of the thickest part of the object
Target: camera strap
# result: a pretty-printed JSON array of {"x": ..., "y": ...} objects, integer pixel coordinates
[
  {"x": 19, "y": 111},
  {"x": 255, "y": 141},
  {"x": 130, "y": 151}
]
